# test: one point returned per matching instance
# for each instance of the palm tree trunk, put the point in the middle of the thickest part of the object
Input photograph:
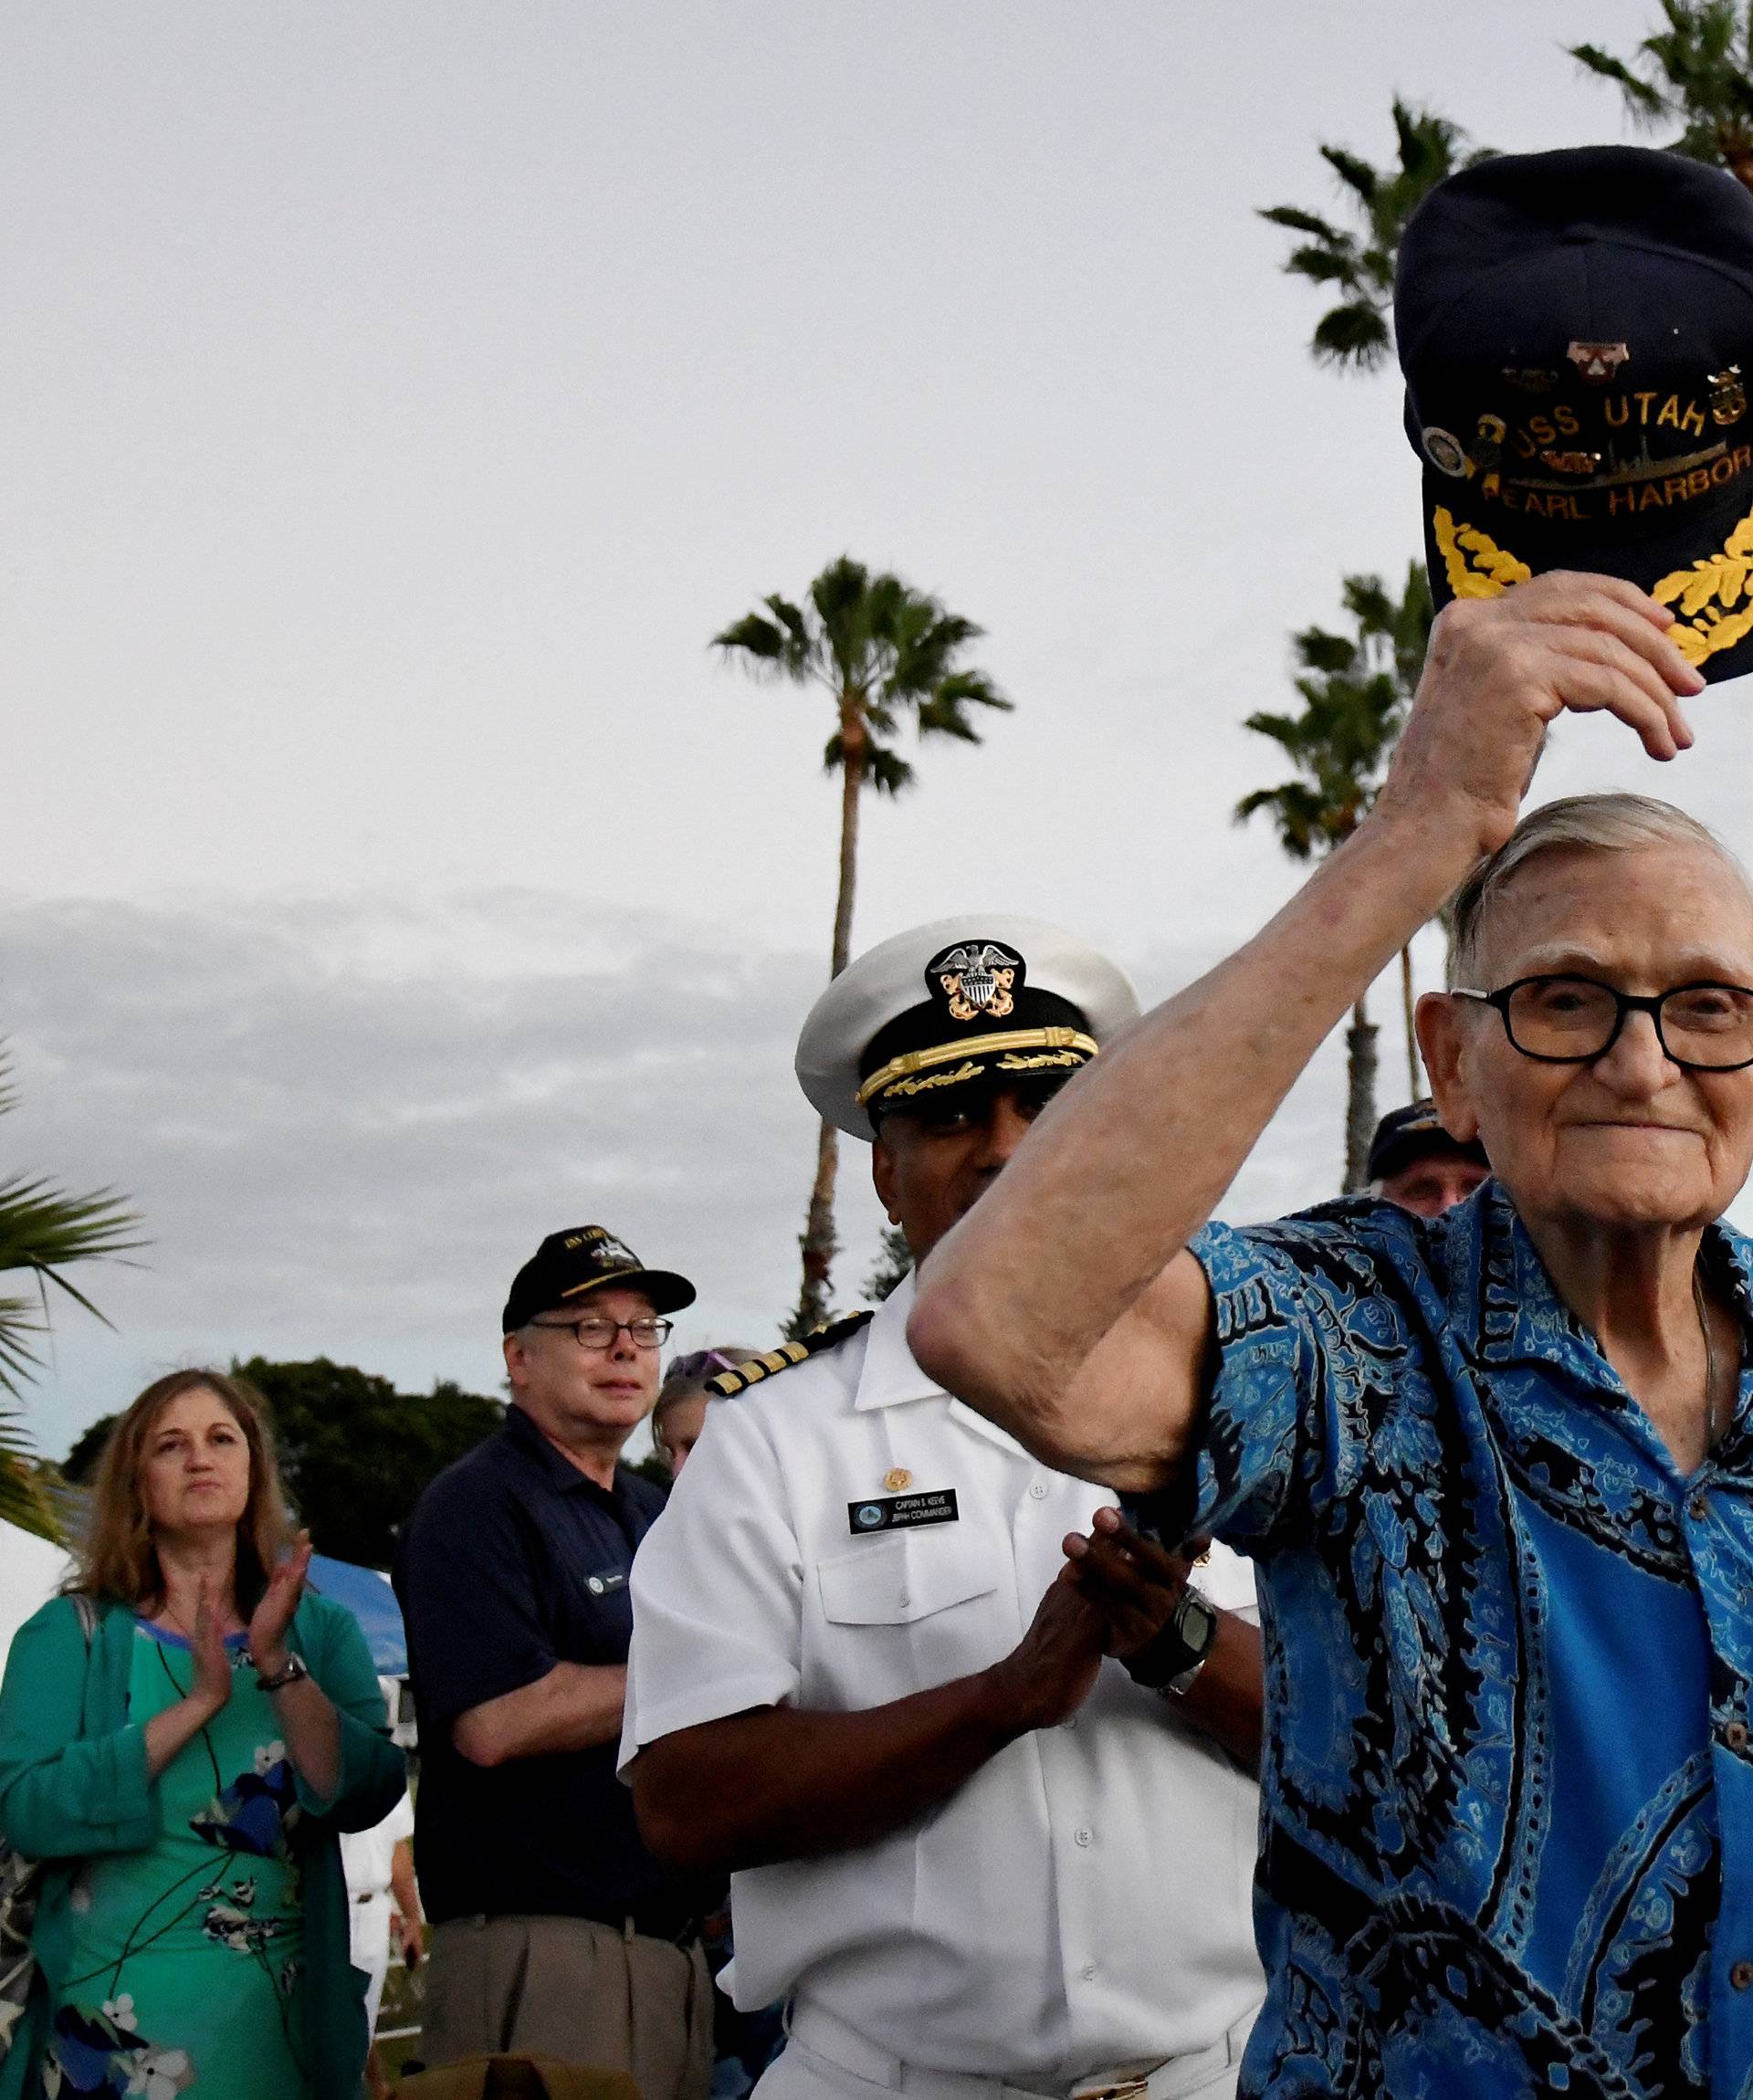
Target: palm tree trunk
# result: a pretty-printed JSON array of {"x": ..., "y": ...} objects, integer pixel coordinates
[
  {"x": 814, "y": 1298},
  {"x": 818, "y": 1245},
  {"x": 855, "y": 740},
  {"x": 1361, "y": 1099},
  {"x": 1415, "y": 1071}
]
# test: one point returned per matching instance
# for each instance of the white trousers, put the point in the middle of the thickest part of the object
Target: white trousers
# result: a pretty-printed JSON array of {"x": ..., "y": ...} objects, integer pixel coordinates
[
  {"x": 803, "y": 2072},
  {"x": 369, "y": 1929}
]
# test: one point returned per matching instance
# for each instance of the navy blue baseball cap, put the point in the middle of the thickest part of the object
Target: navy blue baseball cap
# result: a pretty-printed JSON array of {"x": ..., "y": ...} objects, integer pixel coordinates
[
  {"x": 568, "y": 1265},
  {"x": 1576, "y": 332}
]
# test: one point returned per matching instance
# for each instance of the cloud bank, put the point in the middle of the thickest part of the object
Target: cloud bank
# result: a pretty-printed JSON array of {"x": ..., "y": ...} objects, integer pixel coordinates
[{"x": 346, "y": 1121}]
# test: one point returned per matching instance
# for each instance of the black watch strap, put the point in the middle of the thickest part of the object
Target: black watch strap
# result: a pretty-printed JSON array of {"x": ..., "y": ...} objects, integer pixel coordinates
[{"x": 1183, "y": 1643}]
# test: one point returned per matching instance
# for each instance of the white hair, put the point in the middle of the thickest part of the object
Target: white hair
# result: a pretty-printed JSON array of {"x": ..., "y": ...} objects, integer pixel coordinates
[{"x": 1591, "y": 822}]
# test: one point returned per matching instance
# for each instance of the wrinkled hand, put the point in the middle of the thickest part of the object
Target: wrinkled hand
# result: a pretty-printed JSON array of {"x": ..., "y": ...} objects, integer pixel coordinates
[
  {"x": 211, "y": 1657},
  {"x": 1501, "y": 669},
  {"x": 273, "y": 1615},
  {"x": 1132, "y": 1580},
  {"x": 1047, "y": 1676}
]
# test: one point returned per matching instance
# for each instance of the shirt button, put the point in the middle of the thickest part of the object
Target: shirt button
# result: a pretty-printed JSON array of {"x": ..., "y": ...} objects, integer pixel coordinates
[
  {"x": 1080, "y": 1837},
  {"x": 1741, "y": 1975},
  {"x": 1735, "y": 1735},
  {"x": 1038, "y": 1489},
  {"x": 905, "y": 1598},
  {"x": 1698, "y": 1508},
  {"x": 1088, "y": 1971}
]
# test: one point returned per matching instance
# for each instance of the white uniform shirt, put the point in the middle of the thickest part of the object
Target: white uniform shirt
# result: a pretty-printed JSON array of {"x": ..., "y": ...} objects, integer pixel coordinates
[{"x": 1084, "y": 1899}]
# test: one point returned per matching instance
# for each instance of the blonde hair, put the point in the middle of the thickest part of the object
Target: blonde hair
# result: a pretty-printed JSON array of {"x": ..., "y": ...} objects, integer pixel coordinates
[
  {"x": 1593, "y": 823},
  {"x": 118, "y": 1560}
]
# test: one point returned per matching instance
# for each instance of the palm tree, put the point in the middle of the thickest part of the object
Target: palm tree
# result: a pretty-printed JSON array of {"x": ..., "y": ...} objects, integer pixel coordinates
[
  {"x": 42, "y": 1232},
  {"x": 1356, "y": 689},
  {"x": 1359, "y": 265},
  {"x": 1696, "y": 73},
  {"x": 881, "y": 651}
]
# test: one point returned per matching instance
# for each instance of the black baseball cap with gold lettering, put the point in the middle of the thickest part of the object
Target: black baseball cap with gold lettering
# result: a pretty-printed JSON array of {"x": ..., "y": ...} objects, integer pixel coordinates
[
  {"x": 569, "y": 1266},
  {"x": 982, "y": 1001},
  {"x": 1576, "y": 332}
]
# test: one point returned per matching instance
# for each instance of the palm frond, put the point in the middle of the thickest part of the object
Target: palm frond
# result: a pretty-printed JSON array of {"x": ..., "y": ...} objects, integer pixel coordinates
[
  {"x": 1355, "y": 689},
  {"x": 755, "y": 637},
  {"x": 1647, "y": 104},
  {"x": 1300, "y": 222},
  {"x": 1357, "y": 333},
  {"x": 1695, "y": 73},
  {"x": 1354, "y": 333},
  {"x": 25, "y": 1499},
  {"x": 887, "y": 770},
  {"x": 43, "y": 1232},
  {"x": 1354, "y": 171},
  {"x": 1297, "y": 810},
  {"x": 1326, "y": 265},
  {"x": 42, "y": 1229},
  {"x": 1316, "y": 650}
]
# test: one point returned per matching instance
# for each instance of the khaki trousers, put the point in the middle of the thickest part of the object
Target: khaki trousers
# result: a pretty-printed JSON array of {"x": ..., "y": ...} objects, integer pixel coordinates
[{"x": 571, "y": 1988}]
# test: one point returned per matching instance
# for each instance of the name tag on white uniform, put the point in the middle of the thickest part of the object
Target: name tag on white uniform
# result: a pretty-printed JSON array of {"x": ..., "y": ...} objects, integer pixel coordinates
[{"x": 902, "y": 1512}]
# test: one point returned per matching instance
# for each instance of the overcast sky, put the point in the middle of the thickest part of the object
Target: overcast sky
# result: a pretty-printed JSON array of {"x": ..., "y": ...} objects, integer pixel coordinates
[{"x": 394, "y": 403}]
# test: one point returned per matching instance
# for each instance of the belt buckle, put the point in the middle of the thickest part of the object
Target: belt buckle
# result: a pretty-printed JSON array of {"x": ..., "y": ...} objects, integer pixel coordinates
[{"x": 1132, "y": 2087}]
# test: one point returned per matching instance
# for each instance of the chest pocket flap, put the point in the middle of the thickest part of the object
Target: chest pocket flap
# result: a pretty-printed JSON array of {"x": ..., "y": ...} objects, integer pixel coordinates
[{"x": 893, "y": 1582}]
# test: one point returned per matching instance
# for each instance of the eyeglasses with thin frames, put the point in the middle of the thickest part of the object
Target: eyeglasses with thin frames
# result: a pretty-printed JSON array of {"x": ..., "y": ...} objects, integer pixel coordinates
[
  {"x": 1568, "y": 1019},
  {"x": 597, "y": 1331}
]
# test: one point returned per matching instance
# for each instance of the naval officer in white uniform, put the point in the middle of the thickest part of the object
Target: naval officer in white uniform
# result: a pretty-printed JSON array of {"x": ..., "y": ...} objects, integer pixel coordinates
[{"x": 874, "y": 1658}]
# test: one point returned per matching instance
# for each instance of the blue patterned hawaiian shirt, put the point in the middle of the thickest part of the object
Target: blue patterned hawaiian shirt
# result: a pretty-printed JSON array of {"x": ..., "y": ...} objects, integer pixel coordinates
[{"x": 1507, "y": 1817}]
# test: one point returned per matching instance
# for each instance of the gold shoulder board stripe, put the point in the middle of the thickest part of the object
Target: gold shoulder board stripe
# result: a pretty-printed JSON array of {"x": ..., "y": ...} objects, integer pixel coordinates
[{"x": 827, "y": 1336}]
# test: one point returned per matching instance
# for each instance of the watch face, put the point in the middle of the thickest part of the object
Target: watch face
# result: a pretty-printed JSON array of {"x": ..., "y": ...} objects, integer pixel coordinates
[{"x": 1196, "y": 1622}]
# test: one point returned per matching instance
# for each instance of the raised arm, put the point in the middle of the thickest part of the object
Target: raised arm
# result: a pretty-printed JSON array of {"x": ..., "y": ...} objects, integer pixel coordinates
[{"x": 1063, "y": 1305}]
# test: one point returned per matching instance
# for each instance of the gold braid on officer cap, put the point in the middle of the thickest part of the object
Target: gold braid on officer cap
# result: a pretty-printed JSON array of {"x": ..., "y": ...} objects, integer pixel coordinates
[{"x": 827, "y": 1336}]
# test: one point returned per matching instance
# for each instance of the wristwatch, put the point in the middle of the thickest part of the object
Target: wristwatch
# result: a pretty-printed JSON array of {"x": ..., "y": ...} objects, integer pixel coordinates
[
  {"x": 1175, "y": 1655},
  {"x": 290, "y": 1673}
]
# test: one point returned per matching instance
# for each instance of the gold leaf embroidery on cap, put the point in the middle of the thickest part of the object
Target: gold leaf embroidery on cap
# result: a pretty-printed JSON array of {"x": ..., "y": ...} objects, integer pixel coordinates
[
  {"x": 1708, "y": 592},
  {"x": 1461, "y": 546}
]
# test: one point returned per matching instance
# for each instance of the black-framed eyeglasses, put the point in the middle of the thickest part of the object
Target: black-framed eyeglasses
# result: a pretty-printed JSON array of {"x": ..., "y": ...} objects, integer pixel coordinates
[
  {"x": 598, "y": 1331},
  {"x": 1563, "y": 1020}
]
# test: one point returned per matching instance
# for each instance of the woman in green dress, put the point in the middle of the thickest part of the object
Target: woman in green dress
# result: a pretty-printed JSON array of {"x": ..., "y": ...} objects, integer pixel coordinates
[{"x": 183, "y": 1738}]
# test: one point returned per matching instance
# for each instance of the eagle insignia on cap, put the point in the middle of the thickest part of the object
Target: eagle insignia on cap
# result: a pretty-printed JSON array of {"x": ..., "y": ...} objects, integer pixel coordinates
[
  {"x": 1598, "y": 361},
  {"x": 977, "y": 976},
  {"x": 1728, "y": 395},
  {"x": 606, "y": 1246}
]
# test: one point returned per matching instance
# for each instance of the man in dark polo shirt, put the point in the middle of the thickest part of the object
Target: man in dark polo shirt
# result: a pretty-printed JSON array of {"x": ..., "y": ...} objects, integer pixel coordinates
[{"x": 556, "y": 1933}]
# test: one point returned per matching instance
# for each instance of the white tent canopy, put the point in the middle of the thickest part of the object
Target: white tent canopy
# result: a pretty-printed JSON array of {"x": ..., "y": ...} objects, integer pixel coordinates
[{"x": 31, "y": 1572}]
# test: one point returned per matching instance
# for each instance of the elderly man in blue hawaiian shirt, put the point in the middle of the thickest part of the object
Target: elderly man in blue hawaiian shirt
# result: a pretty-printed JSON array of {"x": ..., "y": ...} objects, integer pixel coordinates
[{"x": 1496, "y": 1468}]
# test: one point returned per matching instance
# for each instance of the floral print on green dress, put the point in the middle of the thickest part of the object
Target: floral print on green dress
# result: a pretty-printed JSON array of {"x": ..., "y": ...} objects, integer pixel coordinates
[{"x": 188, "y": 1955}]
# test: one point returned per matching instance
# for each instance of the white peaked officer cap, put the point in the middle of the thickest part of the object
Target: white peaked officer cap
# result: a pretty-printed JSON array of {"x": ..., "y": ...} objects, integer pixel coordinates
[{"x": 986, "y": 999}]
